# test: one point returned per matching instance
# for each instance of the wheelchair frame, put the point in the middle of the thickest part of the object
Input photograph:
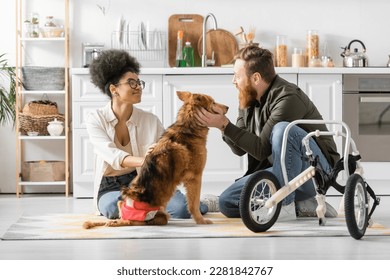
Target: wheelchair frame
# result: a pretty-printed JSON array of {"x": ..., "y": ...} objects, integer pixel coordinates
[{"x": 356, "y": 200}]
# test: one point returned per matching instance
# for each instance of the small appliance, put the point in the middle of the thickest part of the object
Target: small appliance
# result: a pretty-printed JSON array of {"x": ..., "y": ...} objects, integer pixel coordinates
[{"x": 90, "y": 52}]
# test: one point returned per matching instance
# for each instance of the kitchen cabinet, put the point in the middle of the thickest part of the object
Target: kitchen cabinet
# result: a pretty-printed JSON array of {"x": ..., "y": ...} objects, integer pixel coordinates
[
  {"x": 159, "y": 97},
  {"x": 40, "y": 49},
  {"x": 292, "y": 78},
  {"x": 325, "y": 89},
  {"x": 326, "y": 93},
  {"x": 86, "y": 98}
]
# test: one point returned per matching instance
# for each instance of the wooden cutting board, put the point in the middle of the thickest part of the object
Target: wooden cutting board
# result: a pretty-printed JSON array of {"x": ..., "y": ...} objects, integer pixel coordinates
[
  {"x": 222, "y": 42},
  {"x": 192, "y": 25}
]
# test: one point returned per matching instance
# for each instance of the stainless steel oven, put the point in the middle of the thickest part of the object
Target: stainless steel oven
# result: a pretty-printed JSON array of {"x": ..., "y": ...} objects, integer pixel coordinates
[{"x": 366, "y": 109}]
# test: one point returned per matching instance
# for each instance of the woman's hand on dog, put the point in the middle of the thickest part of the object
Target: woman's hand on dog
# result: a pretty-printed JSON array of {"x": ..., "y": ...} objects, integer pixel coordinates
[
  {"x": 218, "y": 120},
  {"x": 150, "y": 149}
]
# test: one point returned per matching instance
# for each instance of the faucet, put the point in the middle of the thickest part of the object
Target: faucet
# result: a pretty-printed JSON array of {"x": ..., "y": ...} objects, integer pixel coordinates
[{"x": 204, "y": 55}]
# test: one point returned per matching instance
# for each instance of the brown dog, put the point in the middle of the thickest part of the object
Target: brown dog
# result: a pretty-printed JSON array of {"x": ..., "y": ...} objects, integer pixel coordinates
[{"x": 178, "y": 157}]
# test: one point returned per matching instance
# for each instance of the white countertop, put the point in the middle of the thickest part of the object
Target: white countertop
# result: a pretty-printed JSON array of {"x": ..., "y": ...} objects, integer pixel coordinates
[{"x": 229, "y": 70}]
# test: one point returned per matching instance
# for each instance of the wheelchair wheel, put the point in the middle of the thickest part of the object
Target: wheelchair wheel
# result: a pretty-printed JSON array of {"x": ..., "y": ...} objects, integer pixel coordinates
[
  {"x": 356, "y": 206},
  {"x": 258, "y": 189}
]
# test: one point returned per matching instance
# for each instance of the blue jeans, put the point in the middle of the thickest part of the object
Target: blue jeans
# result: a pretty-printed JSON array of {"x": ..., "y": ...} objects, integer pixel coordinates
[
  {"x": 177, "y": 206},
  {"x": 295, "y": 151}
]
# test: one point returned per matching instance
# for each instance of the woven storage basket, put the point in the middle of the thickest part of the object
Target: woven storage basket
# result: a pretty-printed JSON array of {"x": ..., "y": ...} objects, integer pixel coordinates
[
  {"x": 38, "y": 123},
  {"x": 41, "y": 107},
  {"x": 43, "y": 78}
]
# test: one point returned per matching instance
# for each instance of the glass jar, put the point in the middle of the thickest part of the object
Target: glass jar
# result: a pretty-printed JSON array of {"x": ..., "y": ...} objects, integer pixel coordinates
[
  {"x": 281, "y": 51},
  {"x": 298, "y": 59},
  {"x": 49, "y": 22},
  {"x": 34, "y": 18},
  {"x": 28, "y": 28},
  {"x": 315, "y": 62},
  {"x": 35, "y": 25},
  {"x": 312, "y": 44}
]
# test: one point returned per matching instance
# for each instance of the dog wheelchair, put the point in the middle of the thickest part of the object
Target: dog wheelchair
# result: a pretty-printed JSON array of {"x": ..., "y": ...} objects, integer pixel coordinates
[{"x": 260, "y": 201}]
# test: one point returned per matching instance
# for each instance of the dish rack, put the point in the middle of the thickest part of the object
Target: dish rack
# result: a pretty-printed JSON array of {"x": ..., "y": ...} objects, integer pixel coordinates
[{"x": 150, "y": 48}]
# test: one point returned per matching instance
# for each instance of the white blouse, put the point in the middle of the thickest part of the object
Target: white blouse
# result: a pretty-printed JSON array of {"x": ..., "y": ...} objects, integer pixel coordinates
[{"x": 144, "y": 128}]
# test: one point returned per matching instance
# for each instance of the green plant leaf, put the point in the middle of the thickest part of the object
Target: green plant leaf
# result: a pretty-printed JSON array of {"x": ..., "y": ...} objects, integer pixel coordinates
[{"x": 7, "y": 92}]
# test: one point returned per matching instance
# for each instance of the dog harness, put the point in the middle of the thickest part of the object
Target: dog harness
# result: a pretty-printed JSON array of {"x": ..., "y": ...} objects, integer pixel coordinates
[{"x": 138, "y": 211}]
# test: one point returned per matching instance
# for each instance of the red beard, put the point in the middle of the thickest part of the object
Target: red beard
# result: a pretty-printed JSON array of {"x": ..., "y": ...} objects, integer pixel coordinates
[{"x": 246, "y": 96}]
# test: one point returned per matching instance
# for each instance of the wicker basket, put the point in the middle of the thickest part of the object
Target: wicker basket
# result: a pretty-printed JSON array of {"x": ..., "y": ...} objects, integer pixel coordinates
[
  {"x": 37, "y": 123},
  {"x": 41, "y": 107},
  {"x": 43, "y": 78}
]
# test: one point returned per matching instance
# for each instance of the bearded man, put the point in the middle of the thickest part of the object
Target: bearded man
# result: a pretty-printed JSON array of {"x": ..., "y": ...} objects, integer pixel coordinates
[{"x": 267, "y": 104}]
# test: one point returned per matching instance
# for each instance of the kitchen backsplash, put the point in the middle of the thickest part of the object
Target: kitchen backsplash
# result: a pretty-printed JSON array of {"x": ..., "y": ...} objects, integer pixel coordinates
[{"x": 338, "y": 22}]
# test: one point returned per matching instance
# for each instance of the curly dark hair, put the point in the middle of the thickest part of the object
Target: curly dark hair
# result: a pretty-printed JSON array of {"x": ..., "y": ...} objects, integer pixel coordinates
[{"x": 110, "y": 66}]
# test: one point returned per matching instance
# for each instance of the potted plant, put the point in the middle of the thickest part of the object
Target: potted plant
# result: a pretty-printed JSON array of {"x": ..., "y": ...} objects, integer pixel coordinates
[{"x": 7, "y": 92}]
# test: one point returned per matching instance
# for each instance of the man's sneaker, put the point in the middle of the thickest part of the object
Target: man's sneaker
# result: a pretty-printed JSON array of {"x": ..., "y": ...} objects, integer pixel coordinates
[
  {"x": 212, "y": 202},
  {"x": 307, "y": 208},
  {"x": 287, "y": 213}
]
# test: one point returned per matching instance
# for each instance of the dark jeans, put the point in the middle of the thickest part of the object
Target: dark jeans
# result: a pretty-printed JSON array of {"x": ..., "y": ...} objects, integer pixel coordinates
[{"x": 110, "y": 193}]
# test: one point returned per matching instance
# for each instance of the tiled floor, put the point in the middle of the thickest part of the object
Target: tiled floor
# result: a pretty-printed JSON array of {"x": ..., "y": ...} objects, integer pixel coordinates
[{"x": 313, "y": 248}]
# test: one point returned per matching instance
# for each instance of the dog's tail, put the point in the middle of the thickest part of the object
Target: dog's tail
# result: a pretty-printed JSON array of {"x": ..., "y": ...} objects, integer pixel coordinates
[{"x": 89, "y": 224}]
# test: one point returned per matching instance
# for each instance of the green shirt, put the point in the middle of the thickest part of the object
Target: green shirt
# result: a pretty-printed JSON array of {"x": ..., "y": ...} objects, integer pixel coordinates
[{"x": 283, "y": 101}]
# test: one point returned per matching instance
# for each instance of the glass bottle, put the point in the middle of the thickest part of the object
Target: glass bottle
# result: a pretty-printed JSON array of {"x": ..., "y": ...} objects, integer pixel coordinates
[
  {"x": 312, "y": 45},
  {"x": 281, "y": 51},
  {"x": 188, "y": 55}
]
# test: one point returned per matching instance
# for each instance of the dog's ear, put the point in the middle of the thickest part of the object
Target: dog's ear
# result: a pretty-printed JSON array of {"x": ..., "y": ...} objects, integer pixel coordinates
[{"x": 183, "y": 95}]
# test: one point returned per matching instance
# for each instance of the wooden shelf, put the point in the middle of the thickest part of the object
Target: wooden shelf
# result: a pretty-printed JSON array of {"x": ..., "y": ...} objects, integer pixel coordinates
[
  {"x": 51, "y": 183},
  {"x": 40, "y": 92},
  {"x": 54, "y": 39},
  {"x": 35, "y": 147},
  {"x": 41, "y": 137}
]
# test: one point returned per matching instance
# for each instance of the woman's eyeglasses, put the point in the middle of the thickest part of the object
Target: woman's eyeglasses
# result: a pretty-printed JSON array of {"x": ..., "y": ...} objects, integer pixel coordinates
[{"x": 133, "y": 83}]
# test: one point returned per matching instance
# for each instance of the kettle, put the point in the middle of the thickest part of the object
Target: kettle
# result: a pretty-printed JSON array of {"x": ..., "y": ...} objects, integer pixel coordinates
[{"x": 355, "y": 58}]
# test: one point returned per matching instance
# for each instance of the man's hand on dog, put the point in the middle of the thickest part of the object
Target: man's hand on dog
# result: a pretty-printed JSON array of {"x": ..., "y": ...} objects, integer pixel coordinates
[{"x": 218, "y": 120}]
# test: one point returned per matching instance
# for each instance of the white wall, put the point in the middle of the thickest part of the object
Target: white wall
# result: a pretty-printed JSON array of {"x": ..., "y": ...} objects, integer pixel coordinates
[{"x": 338, "y": 22}]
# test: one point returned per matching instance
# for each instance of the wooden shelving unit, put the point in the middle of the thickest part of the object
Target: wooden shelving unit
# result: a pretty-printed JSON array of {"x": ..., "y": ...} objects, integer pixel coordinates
[{"x": 59, "y": 145}]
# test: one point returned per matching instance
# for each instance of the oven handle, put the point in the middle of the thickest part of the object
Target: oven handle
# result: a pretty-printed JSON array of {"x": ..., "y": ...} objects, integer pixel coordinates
[{"x": 379, "y": 99}]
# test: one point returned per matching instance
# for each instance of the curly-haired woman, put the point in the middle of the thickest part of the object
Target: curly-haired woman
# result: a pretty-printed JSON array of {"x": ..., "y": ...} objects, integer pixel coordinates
[{"x": 121, "y": 134}]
